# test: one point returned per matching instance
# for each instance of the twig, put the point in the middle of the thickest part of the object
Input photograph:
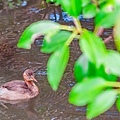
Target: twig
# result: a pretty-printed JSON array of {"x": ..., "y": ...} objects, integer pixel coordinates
[
  {"x": 100, "y": 31},
  {"x": 77, "y": 24},
  {"x": 106, "y": 40}
]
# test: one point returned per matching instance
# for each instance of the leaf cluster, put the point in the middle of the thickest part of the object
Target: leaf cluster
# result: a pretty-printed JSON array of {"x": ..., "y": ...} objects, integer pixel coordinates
[{"x": 97, "y": 69}]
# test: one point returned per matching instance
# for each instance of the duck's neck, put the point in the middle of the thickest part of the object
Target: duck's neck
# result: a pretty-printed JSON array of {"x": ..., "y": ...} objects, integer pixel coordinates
[{"x": 31, "y": 85}]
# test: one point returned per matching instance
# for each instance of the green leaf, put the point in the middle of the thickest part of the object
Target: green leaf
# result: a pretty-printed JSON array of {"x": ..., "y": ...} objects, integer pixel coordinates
[
  {"x": 50, "y": 0},
  {"x": 101, "y": 103},
  {"x": 118, "y": 103},
  {"x": 112, "y": 62},
  {"x": 50, "y": 44},
  {"x": 117, "y": 3},
  {"x": 101, "y": 71},
  {"x": 35, "y": 30},
  {"x": 73, "y": 7},
  {"x": 85, "y": 2},
  {"x": 116, "y": 32},
  {"x": 101, "y": 2},
  {"x": 93, "y": 47},
  {"x": 83, "y": 68},
  {"x": 99, "y": 21},
  {"x": 108, "y": 12},
  {"x": 56, "y": 66},
  {"x": 83, "y": 93},
  {"x": 89, "y": 11}
]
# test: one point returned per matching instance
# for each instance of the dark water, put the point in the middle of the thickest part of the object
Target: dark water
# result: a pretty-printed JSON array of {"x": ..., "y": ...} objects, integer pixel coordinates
[{"x": 49, "y": 105}]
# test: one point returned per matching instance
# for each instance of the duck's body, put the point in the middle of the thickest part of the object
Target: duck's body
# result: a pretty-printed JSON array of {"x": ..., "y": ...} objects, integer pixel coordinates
[{"x": 18, "y": 89}]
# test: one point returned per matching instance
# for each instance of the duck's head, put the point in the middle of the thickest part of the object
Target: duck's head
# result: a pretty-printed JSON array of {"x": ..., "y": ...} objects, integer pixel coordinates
[{"x": 28, "y": 75}]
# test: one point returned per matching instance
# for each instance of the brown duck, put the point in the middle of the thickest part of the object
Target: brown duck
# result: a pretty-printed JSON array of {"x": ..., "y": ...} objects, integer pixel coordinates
[{"x": 20, "y": 90}]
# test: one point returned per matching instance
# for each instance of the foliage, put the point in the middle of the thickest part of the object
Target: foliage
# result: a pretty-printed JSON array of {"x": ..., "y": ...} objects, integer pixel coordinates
[{"x": 97, "y": 69}]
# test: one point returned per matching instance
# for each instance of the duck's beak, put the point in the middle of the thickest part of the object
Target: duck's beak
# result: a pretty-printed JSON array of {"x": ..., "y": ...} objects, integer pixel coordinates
[{"x": 33, "y": 79}]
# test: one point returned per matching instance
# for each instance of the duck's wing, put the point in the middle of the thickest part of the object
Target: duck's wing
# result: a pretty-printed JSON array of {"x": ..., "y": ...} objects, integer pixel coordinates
[
  {"x": 16, "y": 90},
  {"x": 15, "y": 85}
]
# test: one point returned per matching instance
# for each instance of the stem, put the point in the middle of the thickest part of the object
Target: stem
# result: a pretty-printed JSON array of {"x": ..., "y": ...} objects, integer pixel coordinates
[
  {"x": 77, "y": 29},
  {"x": 77, "y": 37},
  {"x": 73, "y": 35},
  {"x": 113, "y": 84},
  {"x": 96, "y": 29},
  {"x": 106, "y": 40},
  {"x": 77, "y": 24},
  {"x": 69, "y": 28}
]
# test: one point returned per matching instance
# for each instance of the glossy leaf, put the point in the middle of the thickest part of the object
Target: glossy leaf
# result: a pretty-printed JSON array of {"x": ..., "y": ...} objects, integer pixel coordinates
[
  {"x": 93, "y": 47},
  {"x": 56, "y": 66},
  {"x": 83, "y": 93},
  {"x": 83, "y": 68},
  {"x": 117, "y": 33},
  {"x": 99, "y": 21},
  {"x": 101, "y": 71},
  {"x": 72, "y": 7},
  {"x": 50, "y": 0},
  {"x": 35, "y": 30},
  {"x": 112, "y": 62},
  {"x": 85, "y": 2},
  {"x": 117, "y": 3},
  {"x": 89, "y": 11},
  {"x": 108, "y": 13},
  {"x": 101, "y": 103},
  {"x": 50, "y": 44},
  {"x": 101, "y": 2},
  {"x": 118, "y": 103}
]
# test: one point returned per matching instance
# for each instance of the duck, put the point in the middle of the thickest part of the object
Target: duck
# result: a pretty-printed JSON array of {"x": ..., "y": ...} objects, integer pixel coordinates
[{"x": 18, "y": 90}]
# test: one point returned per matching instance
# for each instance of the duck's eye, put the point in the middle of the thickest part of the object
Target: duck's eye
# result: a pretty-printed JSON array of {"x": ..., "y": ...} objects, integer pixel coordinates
[{"x": 30, "y": 74}]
